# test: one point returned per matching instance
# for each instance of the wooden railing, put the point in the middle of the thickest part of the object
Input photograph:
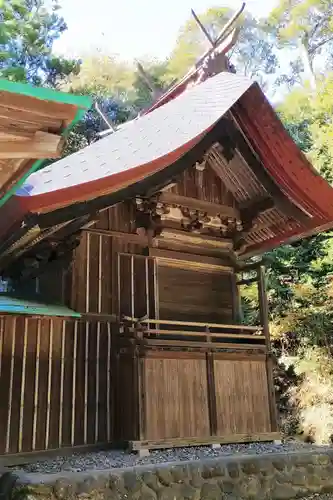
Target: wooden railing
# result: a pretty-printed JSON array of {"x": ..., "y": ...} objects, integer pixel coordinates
[{"x": 211, "y": 333}]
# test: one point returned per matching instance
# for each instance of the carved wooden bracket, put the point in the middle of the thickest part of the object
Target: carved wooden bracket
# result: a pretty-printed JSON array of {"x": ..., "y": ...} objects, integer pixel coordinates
[
  {"x": 187, "y": 213},
  {"x": 147, "y": 220}
]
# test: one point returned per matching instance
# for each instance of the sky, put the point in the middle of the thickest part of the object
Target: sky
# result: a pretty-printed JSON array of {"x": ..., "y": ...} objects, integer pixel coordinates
[{"x": 134, "y": 28}]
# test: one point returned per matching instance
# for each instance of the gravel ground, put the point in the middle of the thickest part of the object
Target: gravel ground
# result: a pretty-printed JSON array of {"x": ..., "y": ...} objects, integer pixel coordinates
[
  {"x": 318, "y": 496},
  {"x": 79, "y": 462}
]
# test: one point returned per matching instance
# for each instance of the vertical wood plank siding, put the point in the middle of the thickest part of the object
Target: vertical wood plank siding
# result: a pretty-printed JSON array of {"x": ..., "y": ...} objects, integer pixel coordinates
[
  {"x": 66, "y": 383},
  {"x": 242, "y": 398},
  {"x": 44, "y": 389},
  {"x": 180, "y": 387}
]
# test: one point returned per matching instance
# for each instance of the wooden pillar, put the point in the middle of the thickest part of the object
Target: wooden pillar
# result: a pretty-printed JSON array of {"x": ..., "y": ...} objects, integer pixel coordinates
[
  {"x": 263, "y": 305},
  {"x": 139, "y": 385},
  {"x": 236, "y": 300},
  {"x": 211, "y": 393}
]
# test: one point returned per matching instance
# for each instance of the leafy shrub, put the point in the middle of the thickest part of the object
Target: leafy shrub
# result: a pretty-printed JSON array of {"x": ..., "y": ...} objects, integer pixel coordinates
[{"x": 313, "y": 395}]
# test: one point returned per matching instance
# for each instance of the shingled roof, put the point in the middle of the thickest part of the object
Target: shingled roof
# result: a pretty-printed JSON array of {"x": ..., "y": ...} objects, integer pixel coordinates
[
  {"x": 146, "y": 153},
  {"x": 144, "y": 146}
]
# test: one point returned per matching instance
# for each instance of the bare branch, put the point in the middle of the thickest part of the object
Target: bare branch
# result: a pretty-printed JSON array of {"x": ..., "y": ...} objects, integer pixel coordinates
[{"x": 320, "y": 44}]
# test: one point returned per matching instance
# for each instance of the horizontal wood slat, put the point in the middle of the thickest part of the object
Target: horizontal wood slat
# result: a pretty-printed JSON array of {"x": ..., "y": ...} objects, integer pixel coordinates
[
  {"x": 41, "y": 145},
  {"x": 183, "y": 442},
  {"x": 204, "y": 345},
  {"x": 204, "y": 206},
  {"x": 203, "y": 334},
  {"x": 193, "y": 323}
]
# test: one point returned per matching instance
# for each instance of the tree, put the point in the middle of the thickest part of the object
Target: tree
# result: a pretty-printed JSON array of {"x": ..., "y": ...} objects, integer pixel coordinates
[
  {"x": 27, "y": 32},
  {"x": 107, "y": 75},
  {"x": 104, "y": 74},
  {"x": 156, "y": 71},
  {"x": 306, "y": 26},
  {"x": 308, "y": 116},
  {"x": 115, "y": 88},
  {"x": 88, "y": 129},
  {"x": 253, "y": 54}
]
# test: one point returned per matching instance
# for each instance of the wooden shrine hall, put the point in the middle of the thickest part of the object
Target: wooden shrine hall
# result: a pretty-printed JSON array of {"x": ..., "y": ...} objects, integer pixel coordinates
[{"x": 124, "y": 261}]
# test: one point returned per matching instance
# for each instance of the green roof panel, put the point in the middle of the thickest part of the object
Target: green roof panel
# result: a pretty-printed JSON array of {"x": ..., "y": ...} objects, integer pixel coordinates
[
  {"x": 14, "y": 305},
  {"x": 83, "y": 103}
]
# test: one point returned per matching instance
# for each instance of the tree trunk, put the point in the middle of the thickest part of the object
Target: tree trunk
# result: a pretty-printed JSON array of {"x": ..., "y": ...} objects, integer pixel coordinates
[{"x": 308, "y": 63}]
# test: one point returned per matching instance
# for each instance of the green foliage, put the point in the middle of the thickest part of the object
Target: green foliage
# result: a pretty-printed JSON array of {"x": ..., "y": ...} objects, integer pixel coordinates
[
  {"x": 102, "y": 74},
  {"x": 313, "y": 395},
  {"x": 27, "y": 32},
  {"x": 253, "y": 54},
  {"x": 157, "y": 71},
  {"x": 306, "y": 26},
  {"x": 119, "y": 91},
  {"x": 107, "y": 76},
  {"x": 86, "y": 131},
  {"x": 308, "y": 117},
  {"x": 308, "y": 21}
]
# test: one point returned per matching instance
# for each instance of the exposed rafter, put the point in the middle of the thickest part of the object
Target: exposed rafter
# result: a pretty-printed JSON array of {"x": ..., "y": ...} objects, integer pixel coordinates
[
  {"x": 230, "y": 130},
  {"x": 42, "y": 145}
]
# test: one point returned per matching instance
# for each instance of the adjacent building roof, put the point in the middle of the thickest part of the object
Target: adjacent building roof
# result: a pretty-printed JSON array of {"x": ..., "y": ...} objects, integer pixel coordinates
[
  {"x": 32, "y": 123},
  {"x": 14, "y": 305}
]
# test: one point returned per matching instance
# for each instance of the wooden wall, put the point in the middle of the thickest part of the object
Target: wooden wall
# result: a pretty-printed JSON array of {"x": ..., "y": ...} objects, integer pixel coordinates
[
  {"x": 55, "y": 379},
  {"x": 174, "y": 395},
  {"x": 203, "y": 185},
  {"x": 188, "y": 292},
  {"x": 70, "y": 383},
  {"x": 90, "y": 284},
  {"x": 94, "y": 283},
  {"x": 242, "y": 396}
]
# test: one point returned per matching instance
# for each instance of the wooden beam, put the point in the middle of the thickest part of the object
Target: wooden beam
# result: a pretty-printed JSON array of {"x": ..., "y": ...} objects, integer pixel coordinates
[
  {"x": 204, "y": 334},
  {"x": 282, "y": 202},
  {"x": 166, "y": 254},
  {"x": 29, "y": 120},
  {"x": 128, "y": 237},
  {"x": 43, "y": 145},
  {"x": 194, "y": 324},
  {"x": 251, "y": 211},
  {"x": 29, "y": 104},
  {"x": 203, "y": 206},
  {"x": 11, "y": 132},
  {"x": 248, "y": 281},
  {"x": 243, "y": 267},
  {"x": 226, "y": 439},
  {"x": 194, "y": 250},
  {"x": 203, "y": 345},
  {"x": 203, "y": 29},
  {"x": 185, "y": 237}
]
